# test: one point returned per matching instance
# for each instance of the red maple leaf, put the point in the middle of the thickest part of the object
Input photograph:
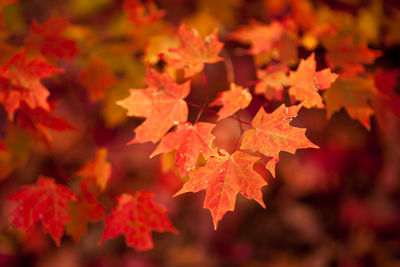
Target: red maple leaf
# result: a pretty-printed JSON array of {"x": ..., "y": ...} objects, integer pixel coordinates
[
  {"x": 142, "y": 13},
  {"x": 193, "y": 51},
  {"x": 38, "y": 121},
  {"x": 223, "y": 177},
  {"x": 45, "y": 201},
  {"x": 306, "y": 81},
  {"x": 47, "y": 39},
  {"x": 136, "y": 216},
  {"x": 161, "y": 104},
  {"x": 232, "y": 100},
  {"x": 272, "y": 133},
  {"x": 189, "y": 141},
  {"x": 20, "y": 82}
]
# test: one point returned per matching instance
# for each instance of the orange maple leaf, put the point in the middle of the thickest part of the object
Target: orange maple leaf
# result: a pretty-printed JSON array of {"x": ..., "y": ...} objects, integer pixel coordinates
[
  {"x": 161, "y": 104},
  {"x": 353, "y": 93},
  {"x": 136, "y": 216},
  {"x": 189, "y": 141},
  {"x": 272, "y": 133},
  {"x": 306, "y": 81},
  {"x": 232, "y": 100},
  {"x": 45, "y": 201},
  {"x": 97, "y": 77},
  {"x": 223, "y": 177},
  {"x": 97, "y": 169},
  {"x": 193, "y": 51},
  {"x": 263, "y": 38},
  {"x": 348, "y": 56},
  {"x": 85, "y": 209},
  {"x": 20, "y": 82},
  {"x": 272, "y": 81},
  {"x": 273, "y": 41}
]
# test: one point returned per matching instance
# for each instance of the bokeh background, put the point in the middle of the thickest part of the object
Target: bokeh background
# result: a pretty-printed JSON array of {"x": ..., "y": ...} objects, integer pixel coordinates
[{"x": 335, "y": 206}]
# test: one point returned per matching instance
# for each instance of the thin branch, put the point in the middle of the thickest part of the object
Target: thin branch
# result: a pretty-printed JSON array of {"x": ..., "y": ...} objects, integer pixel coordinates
[
  {"x": 215, "y": 112},
  {"x": 230, "y": 72}
]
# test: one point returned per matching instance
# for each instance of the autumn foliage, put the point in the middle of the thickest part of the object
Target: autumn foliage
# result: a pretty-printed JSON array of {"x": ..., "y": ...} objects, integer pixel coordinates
[{"x": 111, "y": 111}]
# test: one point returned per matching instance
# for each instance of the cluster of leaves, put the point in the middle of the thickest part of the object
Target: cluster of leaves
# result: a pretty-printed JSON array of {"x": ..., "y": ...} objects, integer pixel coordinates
[{"x": 174, "y": 59}]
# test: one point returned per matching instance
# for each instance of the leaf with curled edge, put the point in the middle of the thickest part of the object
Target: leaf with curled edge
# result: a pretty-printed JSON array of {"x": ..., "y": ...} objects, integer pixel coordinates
[
  {"x": 136, "y": 216},
  {"x": 194, "y": 51},
  {"x": 272, "y": 133},
  {"x": 353, "y": 93},
  {"x": 189, "y": 141},
  {"x": 232, "y": 100},
  {"x": 306, "y": 81},
  {"x": 44, "y": 201},
  {"x": 161, "y": 104},
  {"x": 223, "y": 177},
  {"x": 20, "y": 82},
  {"x": 48, "y": 39}
]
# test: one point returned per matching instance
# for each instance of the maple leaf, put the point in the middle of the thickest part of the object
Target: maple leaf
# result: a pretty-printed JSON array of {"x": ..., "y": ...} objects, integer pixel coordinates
[
  {"x": 97, "y": 78},
  {"x": 274, "y": 40},
  {"x": 85, "y": 209},
  {"x": 38, "y": 121},
  {"x": 161, "y": 104},
  {"x": 98, "y": 169},
  {"x": 142, "y": 13},
  {"x": 344, "y": 54},
  {"x": 45, "y": 201},
  {"x": 272, "y": 133},
  {"x": 263, "y": 38},
  {"x": 47, "y": 39},
  {"x": 189, "y": 141},
  {"x": 136, "y": 216},
  {"x": 306, "y": 81},
  {"x": 20, "y": 82},
  {"x": 272, "y": 81},
  {"x": 232, "y": 100},
  {"x": 223, "y": 177},
  {"x": 353, "y": 93},
  {"x": 193, "y": 51}
]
